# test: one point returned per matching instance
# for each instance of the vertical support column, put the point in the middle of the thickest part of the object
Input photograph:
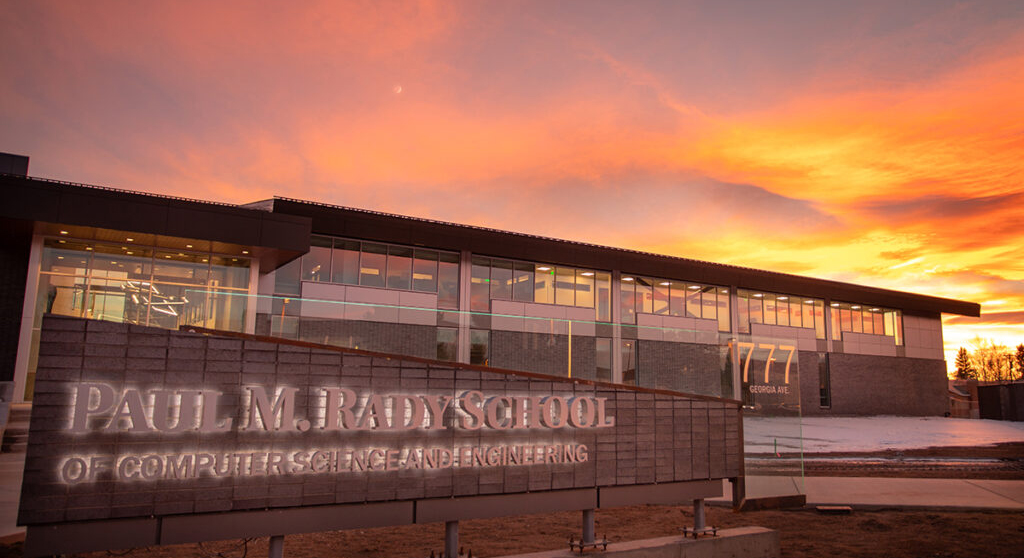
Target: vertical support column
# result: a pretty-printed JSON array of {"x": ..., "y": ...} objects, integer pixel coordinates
[
  {"x": 827, "y": 315},
  {"x": 588, "y": 526},
  {"x": 451, "y": 539},
  {"x": 252, "y": 301},
  {"x": 28, "y": 316},
  {"x": 734, "y": 328},
  {"x": 699, "y": 522},
  {"x": 276, "y": 547},
  {"x": 465, "y": 278},
  {"x": 569, "y": 322},
  {"x": 616, "y": 348}
]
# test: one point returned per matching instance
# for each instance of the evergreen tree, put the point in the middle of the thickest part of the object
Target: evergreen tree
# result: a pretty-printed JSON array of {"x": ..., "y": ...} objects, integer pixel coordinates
[{"x": 964, "y": 368}]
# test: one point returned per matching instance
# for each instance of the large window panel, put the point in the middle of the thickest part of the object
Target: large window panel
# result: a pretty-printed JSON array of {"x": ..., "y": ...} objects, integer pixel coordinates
[
  {"x": 229, "y": 273},
  {"x": 603, "y": 283},
  {"x": 584, "y": 288},
  {"x": 447, "y": 344},
  {"x": 372, "y": 264},
  {"x": 709, "y": 303},
  {"x": 424, "y": 271},
  {"x": 479, "y": 346},
  {"x": 677, "y": 298},
  {"x": 522, "y": 288},
  {"x": 661, "y": 297},
  {"x": 501, "y": 279},
  {"x": 544, "y": 284},
  {"x": 316, "y": 264},
  {"x": 565, "y": 286},
  {"x": 603, "y": 359},
  {"x": 644, "y": 296},
  {"x": 480, "y": 285},
  {"x": 627, "y": 300},
  {"x": 345, "y": 264},
  {"x": 768, "y": 300},
  {"x": 742, "y": 309},
  {"x": 782, "y": 310},
  {"x": 724, "y": 315},
  {"x": 756, "y": 306},
  {"x": 693, "y": 309},
  {"x": 448, "y": 280},
  {"x": 399, "y": 268}
]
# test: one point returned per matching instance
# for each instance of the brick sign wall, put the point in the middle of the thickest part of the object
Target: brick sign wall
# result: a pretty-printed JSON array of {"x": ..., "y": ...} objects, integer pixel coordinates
[{"x": 133, "y": 422}]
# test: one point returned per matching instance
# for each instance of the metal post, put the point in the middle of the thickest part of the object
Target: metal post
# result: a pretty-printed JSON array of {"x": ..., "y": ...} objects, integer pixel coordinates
[
  {"x": 588, "y": 526},
  {"x": 451, "y": 539},
  {"x": 699, "y": 523},
  {"x": 276, "y": 547}
]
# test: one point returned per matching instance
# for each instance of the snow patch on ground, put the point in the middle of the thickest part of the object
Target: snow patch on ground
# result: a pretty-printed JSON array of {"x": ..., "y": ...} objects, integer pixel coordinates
[{"x": 836, "y": 434}]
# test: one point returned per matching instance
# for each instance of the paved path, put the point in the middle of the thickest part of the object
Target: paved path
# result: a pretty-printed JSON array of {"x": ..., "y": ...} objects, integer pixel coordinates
[{"x": 874, "y": 492}]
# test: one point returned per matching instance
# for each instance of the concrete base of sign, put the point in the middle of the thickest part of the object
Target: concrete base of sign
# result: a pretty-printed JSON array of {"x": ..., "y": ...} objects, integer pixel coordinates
[{"x": 741, "y": 542}]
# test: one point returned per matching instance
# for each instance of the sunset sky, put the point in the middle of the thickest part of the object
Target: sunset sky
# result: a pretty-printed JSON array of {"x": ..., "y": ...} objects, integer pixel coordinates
[{"x": 875, "y": 142}]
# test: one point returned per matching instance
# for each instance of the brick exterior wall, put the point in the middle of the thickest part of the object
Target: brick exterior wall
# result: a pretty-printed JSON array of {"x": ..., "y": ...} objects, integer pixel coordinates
[
  {"x": 656, "y": 438},
  {"x": 685, "y": 367},
  {"x": 876, "y": 385},
  {"x": 400, "y": 339},
  {"x": 543, "y": 353}
]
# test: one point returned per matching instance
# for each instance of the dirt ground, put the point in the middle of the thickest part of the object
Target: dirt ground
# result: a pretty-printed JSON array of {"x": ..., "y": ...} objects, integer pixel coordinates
[{"x": 804, "y": 532}]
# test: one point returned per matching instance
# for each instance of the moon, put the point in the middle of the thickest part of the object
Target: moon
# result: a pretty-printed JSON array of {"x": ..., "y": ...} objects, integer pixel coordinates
[{"x": 398, "y": 89}]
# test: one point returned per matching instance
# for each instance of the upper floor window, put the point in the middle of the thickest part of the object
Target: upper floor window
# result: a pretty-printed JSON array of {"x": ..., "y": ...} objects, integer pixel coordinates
[
  {"x": 498, "y": 279},
  {"x": 864, "y": 318},
  {"x": 758, "y": 307},
  {"x": 373, "y": 264},
  {"x": 673, "y": 298}
]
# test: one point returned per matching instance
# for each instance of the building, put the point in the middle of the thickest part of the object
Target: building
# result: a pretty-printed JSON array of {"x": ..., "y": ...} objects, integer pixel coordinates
[{"x": 362, "y": 279}]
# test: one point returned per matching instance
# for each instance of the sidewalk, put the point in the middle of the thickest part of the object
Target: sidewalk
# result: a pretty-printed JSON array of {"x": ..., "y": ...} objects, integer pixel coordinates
[{"x": 906, "y": 493}]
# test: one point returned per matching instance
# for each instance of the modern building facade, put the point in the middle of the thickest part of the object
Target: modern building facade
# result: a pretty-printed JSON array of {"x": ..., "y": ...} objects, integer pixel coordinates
[{"x": 362, "y": 279}]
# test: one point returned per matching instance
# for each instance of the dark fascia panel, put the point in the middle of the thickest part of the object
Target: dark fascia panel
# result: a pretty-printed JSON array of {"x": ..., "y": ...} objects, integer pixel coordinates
[
  {"x": 370, "y": 225},
  {"x": 50, "y": 201}
]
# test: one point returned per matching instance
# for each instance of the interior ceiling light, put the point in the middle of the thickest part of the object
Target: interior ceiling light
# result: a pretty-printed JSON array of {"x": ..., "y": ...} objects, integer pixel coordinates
[
  {"x": 245, "y": 251},
  {"x": 835, "y": 305},
  {"x": 130, "y": 239},
  {"x": 627, "y": 278},
  {"x": 588, "y": 273},
  {"x": 63, "y": 232},
  {"x": 665, "y": 283},
  {"x": 758, "y": 295},
  {"x": 855, "y": 307},
  {"x": 543, "y": 268},
  {"x": 88, "y": 247},
  {"x": 694, "y": 287},
  {"x": 783, "y": 298},
  {"x": 808, "y": 302},
  {"x": 724, "y": 291}
]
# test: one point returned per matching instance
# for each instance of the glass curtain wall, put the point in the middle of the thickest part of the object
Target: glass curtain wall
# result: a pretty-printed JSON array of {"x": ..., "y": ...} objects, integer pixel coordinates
[
  {"x": 863, "y": 318},
  {"x": 673, "y": 298},
  {"x": 497, "y": 279},
  {"x": 756, "y": 307}
]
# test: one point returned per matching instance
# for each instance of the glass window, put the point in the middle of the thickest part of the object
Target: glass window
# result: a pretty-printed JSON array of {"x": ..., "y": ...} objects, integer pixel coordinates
[
  {"x": 448, "y": 280},
  {"x": 479, "y": 352},
  {"x": 869, "y": 321},
  {"x": 544, "y": 284},
  {"x": 855, "y": 315},
  {"x": 584, "y": 288},
  {"x": 286, "y": 278},
  {"x": 501, "y": 279},
  {"x": 742, "y": 310},
  {"x": 316, "y": 264},
  {"x": 644, "y": 296},
  {"x": 769, "y": 308},
  {"x": 876, "y": 317},
  {"x": 66, "y": 257},
  {"x": 174, "y": 267},
  {"x": 845, "y": 317},
  {"x": 424, "y": 271},
  {"x": 782, "y": 310},
  {"x": 565, "y": 286},
  {"x": 835, "y": 315},
  {"x": 603, "y": 359},
  {"x": 693, "y": 301},
  {"x": 677, "y": 298},
  {"x": 399, "y": 268},
  {"x": 523, "y": 282},
  {"x": 824, "y": 388},
  {"x": 756, "y": 308},
  {"x": 480, "y": 285},
  {"x": 447, "y": 344},
  {"x": 60, "y": 294},
  {"x": 345, "y": 266},
  {"x": 709, "y": 303},
  {"x": 229, "y": 273},
  {"x": 819, "y": 319},
  {"x": 661, "y": 296},
  {"x": 723, "y": 310},
  {"x": 284, "y": 318},
  {"x": 604, "y": 296},
  {"x": 627, "y": 300},
  {"x": 807, "y": 311},
  {"x": 372, "y": 263},
  {"x": 898, "y": 322}
]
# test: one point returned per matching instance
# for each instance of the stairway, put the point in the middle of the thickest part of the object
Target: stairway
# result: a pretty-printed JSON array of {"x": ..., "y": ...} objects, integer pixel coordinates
[{"x": 16, "y": 432}]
